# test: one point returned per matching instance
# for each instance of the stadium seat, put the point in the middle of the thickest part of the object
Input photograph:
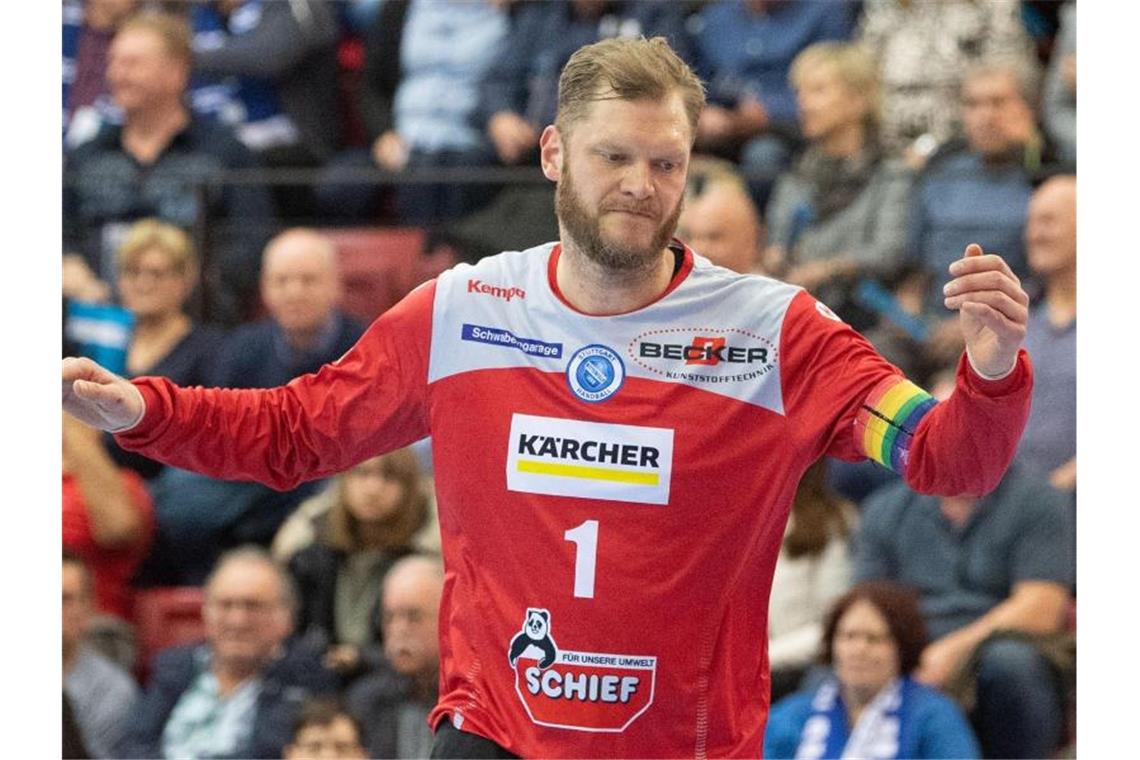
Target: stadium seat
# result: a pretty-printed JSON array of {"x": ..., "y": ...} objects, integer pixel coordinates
[
  {"x": 380, "y": 265},
  {"x": 166, "y": 617}
]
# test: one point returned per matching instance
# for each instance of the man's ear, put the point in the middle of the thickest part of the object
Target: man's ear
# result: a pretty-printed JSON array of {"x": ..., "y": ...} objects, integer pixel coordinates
[{"x": 550, "y": 151}]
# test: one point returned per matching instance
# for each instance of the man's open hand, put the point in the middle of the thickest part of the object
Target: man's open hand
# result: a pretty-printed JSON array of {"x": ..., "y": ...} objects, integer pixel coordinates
[
  {"x": 100, "y": 398},
  {"x": 992, "y": 307}
]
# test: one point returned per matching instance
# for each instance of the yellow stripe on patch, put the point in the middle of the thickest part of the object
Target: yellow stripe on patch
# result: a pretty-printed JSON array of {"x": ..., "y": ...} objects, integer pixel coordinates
[
  {"x": 896, "y": 398},
  {"x": 873, "y": 438},
  {"x": 588, "y": 473}
]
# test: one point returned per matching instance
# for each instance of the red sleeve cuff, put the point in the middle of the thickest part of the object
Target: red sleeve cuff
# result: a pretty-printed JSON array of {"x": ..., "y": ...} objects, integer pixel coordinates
[
  {"x": 1022, "y": 374},
  {"x": 153, "y": 415}
]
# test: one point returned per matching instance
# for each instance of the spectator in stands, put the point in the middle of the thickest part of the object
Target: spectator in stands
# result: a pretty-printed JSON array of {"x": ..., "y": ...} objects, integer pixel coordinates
[
  {"x": 922, "y": 49},
  {"x": 100, "y": 693},
  {"x": 108, "y": 519},
  {"x": 199, "y": 516},
  {"x": 744, "y": 49},
  {"x": 994, "y": 574},
  {"x": 978, "y": 189},
  {"x": 719, "y": 219},
  {"x": 839, "y": 215},
  {"x": 300, "y": 286},
  {"x": 88, "y": 27},
  {"x": 394, "y": 701},
  {"x": 158, "y": 271},
  {"x": 424, "y": 60},
  {"x": 238, "y": 693},
  {"x": 1050, "y": 438},
  {"x": 871, "y": 706},
  {"x": 163, "y": 162},
  {"x": 520, "y": 91},
  {"x": 325, "y": 729},
  {"x": 381, "y": 507},
  {"x": 270, "y": 71},
  {"x": 813, "y": 569},
  {"x": 1059, "y": 99}
]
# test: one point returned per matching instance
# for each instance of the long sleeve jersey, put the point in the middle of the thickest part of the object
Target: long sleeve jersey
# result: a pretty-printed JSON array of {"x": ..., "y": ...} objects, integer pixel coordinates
[{"x": 612, "y": 490}]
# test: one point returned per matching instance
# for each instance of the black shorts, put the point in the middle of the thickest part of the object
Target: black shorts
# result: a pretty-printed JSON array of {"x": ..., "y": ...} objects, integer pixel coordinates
[{"x": 450, "y": 742}]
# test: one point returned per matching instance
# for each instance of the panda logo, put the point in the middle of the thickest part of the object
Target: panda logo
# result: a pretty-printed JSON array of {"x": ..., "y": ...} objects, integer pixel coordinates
[{"x": 535, "y": 633}]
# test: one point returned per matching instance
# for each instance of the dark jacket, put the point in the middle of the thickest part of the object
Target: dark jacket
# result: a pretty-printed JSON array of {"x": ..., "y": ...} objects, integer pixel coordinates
[
  {"x": 375, "y": 701},
  {"x": 293, "y": 46},
  {"x": 256, "y": 355},
  {"x": 315, "y": 569},
  {"x": 287, "y": 684},
  {"x": 382, "y": 68},
  {"x": 184, "y": 186}
]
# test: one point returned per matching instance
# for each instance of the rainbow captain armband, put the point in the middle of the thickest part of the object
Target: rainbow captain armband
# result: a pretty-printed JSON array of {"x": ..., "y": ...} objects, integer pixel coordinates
[{"x": 887, "y": 421}]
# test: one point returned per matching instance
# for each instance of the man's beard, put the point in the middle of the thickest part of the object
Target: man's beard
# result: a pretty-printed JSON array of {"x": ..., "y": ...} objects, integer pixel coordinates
[{"x": 584, "y": 229}]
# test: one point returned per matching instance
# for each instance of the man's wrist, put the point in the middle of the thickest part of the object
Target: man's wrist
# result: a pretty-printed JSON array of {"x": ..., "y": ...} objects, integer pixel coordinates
[{"x": 988, "y": 376}]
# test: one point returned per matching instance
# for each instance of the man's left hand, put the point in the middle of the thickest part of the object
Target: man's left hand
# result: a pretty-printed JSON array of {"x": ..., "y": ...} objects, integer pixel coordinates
[{"x": 993, "y": 310}]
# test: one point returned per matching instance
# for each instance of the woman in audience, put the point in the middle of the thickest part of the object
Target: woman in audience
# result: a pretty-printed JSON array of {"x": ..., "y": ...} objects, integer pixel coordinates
[
  {"x": 870, "y": 707},
  {"x": 840, "y": 213},
  {"x": 157, "y": 272},
  {"x": 377, "y": 508},
  {"x": 813, "y": 569}
]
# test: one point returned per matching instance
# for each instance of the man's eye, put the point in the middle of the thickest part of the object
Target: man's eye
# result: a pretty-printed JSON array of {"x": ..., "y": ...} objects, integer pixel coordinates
[
  {"x": 666, "y": 166},
  {"x": 614, "y": 158}
]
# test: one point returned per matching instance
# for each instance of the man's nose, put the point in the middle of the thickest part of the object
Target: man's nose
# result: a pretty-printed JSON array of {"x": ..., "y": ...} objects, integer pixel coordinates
[{"x": 638, "y": 180}]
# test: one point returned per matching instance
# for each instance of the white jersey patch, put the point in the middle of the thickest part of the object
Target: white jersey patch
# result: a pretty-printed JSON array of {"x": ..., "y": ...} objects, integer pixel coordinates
[{"x": 589, "y": 460}]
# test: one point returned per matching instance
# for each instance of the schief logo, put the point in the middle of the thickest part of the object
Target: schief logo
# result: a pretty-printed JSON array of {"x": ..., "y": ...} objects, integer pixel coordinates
[
  {"x": 498, "y": 291},
  {"x": 595, "y": 373}
]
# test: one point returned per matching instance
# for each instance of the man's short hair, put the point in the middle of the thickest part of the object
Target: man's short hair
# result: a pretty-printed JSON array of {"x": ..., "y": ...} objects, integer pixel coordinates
[
  {"x": 625, "y": 69},
  {"x": 1025, "y": 73},
  {"x": 258, "y": 555},
  {"x": 172, "y": 30},
  {"x": 708, "y": 172}
]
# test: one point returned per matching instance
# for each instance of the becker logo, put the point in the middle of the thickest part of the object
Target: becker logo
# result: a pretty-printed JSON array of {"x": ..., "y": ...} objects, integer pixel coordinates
[
  {"x": 478, "y": 286},
  {"x": 704, "y": 355},
  {"x": 704, "y": 350}
]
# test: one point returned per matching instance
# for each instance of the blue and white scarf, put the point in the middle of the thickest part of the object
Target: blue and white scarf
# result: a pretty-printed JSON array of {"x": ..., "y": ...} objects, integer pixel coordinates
[{"x": 876, "y": 735}]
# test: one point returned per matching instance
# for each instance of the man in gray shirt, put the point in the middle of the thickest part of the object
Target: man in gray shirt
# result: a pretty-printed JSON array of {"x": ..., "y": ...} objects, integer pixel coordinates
[
  {"x": 993, "y": 575},
  {"x": 101, "y": 693}
]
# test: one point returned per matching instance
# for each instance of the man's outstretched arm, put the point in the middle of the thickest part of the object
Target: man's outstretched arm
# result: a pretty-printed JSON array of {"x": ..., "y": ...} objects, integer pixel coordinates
[{"x": 369, "y": 401}]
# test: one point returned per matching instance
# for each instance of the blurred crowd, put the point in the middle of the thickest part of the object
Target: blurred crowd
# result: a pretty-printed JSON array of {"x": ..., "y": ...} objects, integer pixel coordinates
[{"x": 219, "y": 155}]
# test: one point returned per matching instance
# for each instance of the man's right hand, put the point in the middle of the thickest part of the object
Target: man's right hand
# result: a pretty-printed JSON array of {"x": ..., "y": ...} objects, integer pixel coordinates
[{"x": 100, "y": 398}]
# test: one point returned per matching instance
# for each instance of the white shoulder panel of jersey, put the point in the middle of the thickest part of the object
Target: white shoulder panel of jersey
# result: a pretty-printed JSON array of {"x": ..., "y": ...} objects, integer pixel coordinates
[{"x": 718, "y": 331}]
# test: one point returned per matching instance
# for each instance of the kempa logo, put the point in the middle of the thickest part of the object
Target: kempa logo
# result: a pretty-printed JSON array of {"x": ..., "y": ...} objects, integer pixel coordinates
[
  {"x": 704, "y": 355},
  {"x": 590, "y": 460},
  {"x": 478, "y": 286}
]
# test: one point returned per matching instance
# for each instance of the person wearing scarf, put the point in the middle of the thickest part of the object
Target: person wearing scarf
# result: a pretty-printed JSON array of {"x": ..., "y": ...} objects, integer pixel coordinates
[
  {"x": 869, "y": 707},
  {"x": 840, "y": 214}
]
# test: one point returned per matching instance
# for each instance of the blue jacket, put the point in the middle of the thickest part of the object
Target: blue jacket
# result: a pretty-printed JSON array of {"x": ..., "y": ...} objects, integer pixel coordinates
[
  {"x": 933, "y": 726},
  {"x": 287, "y": 683}
]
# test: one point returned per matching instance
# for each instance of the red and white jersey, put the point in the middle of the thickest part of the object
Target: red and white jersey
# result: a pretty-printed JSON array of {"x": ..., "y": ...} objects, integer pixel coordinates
[{"x": 612, "y": 490}]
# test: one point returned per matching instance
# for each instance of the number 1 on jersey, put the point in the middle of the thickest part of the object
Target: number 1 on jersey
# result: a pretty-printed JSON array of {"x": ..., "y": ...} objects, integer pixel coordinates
[{"x": 585, "y": 538}]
